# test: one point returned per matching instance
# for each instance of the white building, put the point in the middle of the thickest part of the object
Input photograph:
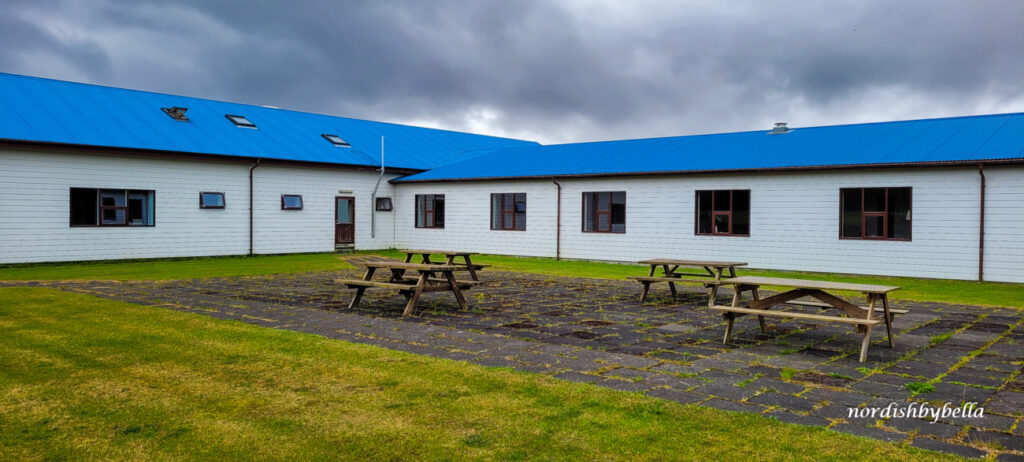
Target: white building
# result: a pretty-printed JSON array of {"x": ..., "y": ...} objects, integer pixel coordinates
[{"x": 940, "y": 198}]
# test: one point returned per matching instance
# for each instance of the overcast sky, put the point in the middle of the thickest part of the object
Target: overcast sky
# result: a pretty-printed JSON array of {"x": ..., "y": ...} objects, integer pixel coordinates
[{"x": 558, "y": 71}]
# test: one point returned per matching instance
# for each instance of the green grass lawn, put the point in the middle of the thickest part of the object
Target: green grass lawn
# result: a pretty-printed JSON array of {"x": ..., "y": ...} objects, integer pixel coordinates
[
  {"x": 87, "y": 378},
  {"x": 189, "y": 268},
  {"x": 915, "y": 289}
]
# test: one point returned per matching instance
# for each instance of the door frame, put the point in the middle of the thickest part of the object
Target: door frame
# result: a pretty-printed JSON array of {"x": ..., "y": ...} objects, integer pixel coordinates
[{"x": 352, "y": 216}]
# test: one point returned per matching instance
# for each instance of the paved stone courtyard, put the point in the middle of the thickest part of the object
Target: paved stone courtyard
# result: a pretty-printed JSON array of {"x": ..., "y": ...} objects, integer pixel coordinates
[{"x": 596, "y": 331}]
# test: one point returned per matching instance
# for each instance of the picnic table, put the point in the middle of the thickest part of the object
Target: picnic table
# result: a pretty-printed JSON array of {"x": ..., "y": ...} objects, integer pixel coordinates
[
  {"x": 429, "y": 278},
  {"x": 711, "y": 278},
  {"x": 862, "y": 317},
  {"x": 450, "y": 256}
]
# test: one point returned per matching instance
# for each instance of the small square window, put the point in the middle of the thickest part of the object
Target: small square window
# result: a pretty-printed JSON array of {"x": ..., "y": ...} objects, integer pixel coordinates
[
  {"x": 291, "y": 202},
  {"x": 211, "y": 200},
  {"x": 336, "y": 140},
  {"x": 241, "y": 121},
  {"x": 384, "y": 204}
]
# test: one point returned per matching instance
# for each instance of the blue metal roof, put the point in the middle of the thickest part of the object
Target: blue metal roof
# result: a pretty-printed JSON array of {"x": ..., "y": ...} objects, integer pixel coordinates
[
  {"x": 957, "y": 139},
  {"x": 53, "y": 111}
]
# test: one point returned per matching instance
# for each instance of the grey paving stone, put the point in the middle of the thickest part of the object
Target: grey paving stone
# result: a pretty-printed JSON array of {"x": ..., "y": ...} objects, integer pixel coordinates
[
  {"x": 838, "y": 397},
  {"x": 623, "y": 385},
  {"x": 776, "y": 385},
  {"x": 949, "y": 448},
  {"x": 789, "y": 417},
  {"x": 578, "y": 377},
  {"x": 924, "y": 427},
  {"x": 724, "y": 390},
  {"x": 670, "y": 368},
  {"x": 789, "y": 402},
  {"x": 675, "y": 395},
  {"x": 1008, "y": 457},
  {"x": 870, "y": 432},
  {"x": 1001, "y": 440},
  {"x": 879, "y": 389},
  {"x": 727, "y": 405}
]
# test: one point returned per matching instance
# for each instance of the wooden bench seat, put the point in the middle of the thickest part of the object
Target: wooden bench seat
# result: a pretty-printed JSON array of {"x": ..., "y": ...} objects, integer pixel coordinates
[
  {"x": 462, "y": 284},
  {"x": 733, "y": 312},
  {"x": 675, "y": 279},
  {"x": 878, "y": 309},
  {"x": 383, "y": 285},
  {"x": 790, "y": 314}
]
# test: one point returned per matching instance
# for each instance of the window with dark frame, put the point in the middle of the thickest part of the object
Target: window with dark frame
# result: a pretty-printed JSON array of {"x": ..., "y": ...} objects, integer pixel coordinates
[
  {"x": 336, "y": 140},
  {"x": 508, "y": 211},
  {"x": 291, "y": 202},
  {"x": 241, "y": 121},
  {"x": 875, "y": 213},
  {"x": 604, "y": 212},
  {"x": 384, "y": 204},
  {"x": 430, "y": 210},
  {"x": 724, "y": 212},
  {"x": 211, "y": 200},
  {"x": 111, "y": 207}
]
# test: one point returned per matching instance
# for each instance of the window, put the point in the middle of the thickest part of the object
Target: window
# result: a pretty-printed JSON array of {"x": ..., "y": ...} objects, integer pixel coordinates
[
  {"x": 874, "y": 213},
  {"x": 430, "y": 210},
  {"x": 508, "y": 211},
  {"x": 384, "y": 204},
  {"x": 604, "y": 212},
  {"x": 111, "y": 207},
  {"x": 241, "y": 121},
  {"x": 336, "y": 140},
  {"x": 723, "y": 212},
  {"x": 291, "y": 202},
  {"x": 211, "y": 200},
  {"x": 176, "y": 113}
]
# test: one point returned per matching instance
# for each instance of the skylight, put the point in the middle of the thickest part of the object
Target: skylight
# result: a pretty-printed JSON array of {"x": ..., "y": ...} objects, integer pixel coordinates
[
  {"x": 336, "y": 140},
  {"x": 241, "y": 121},
  {"x": 176, "y": 113}
]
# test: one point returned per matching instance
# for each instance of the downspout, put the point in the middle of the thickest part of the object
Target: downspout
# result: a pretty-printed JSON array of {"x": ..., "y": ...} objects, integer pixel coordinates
[
  {"x": 558, "y": 225},
  {"x": 257, "y": 164},
  {"x": 981, "y": 226},
  {"x": 373, "y": 197}
]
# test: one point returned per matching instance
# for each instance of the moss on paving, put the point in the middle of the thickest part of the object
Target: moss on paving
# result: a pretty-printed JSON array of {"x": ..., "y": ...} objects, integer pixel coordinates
[{"x": 87, "y": 378}]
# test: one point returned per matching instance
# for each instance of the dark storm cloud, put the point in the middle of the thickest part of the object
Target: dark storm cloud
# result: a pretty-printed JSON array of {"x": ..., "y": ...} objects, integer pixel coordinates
[{"x": 553, "y": 71}]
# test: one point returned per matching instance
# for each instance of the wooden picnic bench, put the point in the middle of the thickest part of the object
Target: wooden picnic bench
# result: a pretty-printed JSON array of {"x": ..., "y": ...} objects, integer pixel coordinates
[
  {"x": 861, "y": 317},
  {"x": 710, "y": 279},
  {"x": 429, "y": 278},
  {"x": 450, "y": 256}
]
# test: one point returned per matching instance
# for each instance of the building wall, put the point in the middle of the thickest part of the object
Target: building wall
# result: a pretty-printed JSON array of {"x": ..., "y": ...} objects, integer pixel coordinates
[
  {"x": 794, "y": 222},
  {"x": 1004, "y": 224},
  {"x": 34, "y": 207},
  {"x": 467, "y": 218}
]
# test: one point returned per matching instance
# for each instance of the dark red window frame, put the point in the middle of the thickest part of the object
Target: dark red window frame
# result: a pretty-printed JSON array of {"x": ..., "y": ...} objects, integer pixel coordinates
[
  {"x": 428, "y": 217},
  {"x": 883, "y": 214},
  {"x": 597, "y": 213},
  {"x": 507, "y": 220},
  {"x": 715, "y": 212}
]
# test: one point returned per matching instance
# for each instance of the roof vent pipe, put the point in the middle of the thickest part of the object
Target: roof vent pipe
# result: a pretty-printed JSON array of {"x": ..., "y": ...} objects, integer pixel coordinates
[{"x": 780, "y": 127}]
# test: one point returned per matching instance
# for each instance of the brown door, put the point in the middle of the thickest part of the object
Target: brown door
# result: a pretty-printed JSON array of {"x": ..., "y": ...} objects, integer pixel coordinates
[{"x": 344, "y": 220}]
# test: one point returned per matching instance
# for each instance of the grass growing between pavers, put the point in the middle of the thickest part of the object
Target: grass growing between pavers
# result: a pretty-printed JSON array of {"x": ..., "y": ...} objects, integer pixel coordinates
[
  {"x": 913, "y": 289},
  {"x": 190, "y": 268},
  {"x": 87, "y": 378}
]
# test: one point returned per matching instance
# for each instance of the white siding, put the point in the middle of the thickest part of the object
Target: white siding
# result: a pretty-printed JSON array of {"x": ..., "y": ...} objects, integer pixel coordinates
[
  {"x": 34, "y": 209},
  {"x": 312, "y": 228},
  {"x": 1004, "y": 224},
  {"x": 467, "y": 219},
  {"x": 794, "y": 222}
]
